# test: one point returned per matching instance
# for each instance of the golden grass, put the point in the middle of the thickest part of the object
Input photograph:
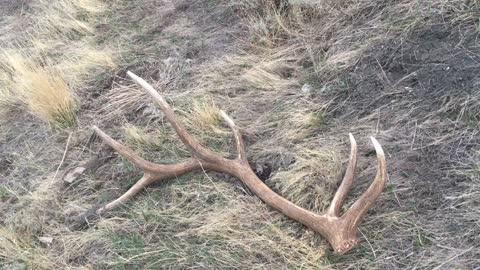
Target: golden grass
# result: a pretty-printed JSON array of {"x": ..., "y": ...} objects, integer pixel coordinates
[
  {"x": 140, "y": 138},
  {"x": 45, "y": 93},
  {"x": 205, "y": 115}
]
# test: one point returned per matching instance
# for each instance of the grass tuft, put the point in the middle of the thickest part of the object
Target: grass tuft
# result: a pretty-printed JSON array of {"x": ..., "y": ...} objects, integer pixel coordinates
[
  {"x": 206, "y": 116},
  {"x": 311, "y": 181},
  {"x": 139, "y": 138},
  {"x": 46, "y": 94}
]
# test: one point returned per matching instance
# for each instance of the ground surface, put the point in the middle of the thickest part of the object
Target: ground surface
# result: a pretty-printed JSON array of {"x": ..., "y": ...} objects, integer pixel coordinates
[{"x": 297, "y": 78}]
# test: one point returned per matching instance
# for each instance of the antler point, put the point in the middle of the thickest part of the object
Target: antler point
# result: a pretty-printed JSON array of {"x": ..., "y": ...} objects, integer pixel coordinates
[
  {"x": 377, "y": 146},
  {"x": 352, "y": 139}
]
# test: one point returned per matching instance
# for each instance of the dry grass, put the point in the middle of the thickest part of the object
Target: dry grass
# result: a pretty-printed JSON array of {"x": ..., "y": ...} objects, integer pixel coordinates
[
  {"x": 173, "y": 226},
  {"x": 65, "y": 18},
  {"x": 247, "y": 72},
  {"x": 43, "y": 67},
  {"x": 312, "y": 179},
  {"x": 126, "y": 97},
  {"x": 296, "y": 79},
  {"x": 45, "y": 94},
  {"x": 6, "y": 97},
  {"x": 82, "y": 62},
  {"x": 15, "y": 248},
  {"x": 140, "y": 138}
]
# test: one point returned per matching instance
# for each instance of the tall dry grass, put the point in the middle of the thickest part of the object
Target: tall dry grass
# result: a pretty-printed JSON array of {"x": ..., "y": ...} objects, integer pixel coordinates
[{"x": 45, "y": 93}]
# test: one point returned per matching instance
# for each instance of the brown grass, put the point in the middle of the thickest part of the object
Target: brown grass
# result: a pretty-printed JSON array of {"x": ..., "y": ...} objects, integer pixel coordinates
[{"x": 363, "y": 76}]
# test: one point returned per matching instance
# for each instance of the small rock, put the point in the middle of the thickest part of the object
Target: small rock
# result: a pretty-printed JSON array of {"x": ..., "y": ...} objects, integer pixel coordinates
[
  {"x": 17, "y": 266},
  {"x": 72, "y": 175},
  {"x": 307, "y": 88},
  {"x": 47, "y": 240}
]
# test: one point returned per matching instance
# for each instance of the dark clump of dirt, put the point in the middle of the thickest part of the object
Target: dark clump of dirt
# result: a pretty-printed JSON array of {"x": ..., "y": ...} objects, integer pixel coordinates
[
  {"x": 271, "y": 161},
  {"x": 81, "y": 221},
  {"x": 5, "y": 164},
  {"x": 263, "y": 171},
  {"x": 264, "y": 165}
]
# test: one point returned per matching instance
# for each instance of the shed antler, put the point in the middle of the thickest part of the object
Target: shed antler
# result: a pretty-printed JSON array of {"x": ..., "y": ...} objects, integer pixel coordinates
[{"x": 339, "y": 230}]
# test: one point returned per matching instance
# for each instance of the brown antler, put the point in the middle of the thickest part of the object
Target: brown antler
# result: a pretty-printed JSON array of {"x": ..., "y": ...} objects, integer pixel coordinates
[{"x": 340, "y": 231}]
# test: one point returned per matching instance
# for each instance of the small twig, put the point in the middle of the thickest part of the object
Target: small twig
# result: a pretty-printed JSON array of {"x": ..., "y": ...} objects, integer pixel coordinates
[
  {"x": 63, "y": 158},
  {"x": 405, "y": 77},
  {"x": 452, "y": 258},
  {"x": 384, "y": 74},
  {"x": 377, "y": 127},
  {"x": 371, "y": 247},
  {"x": 21, "y": 9},
  {"x": 414, "y": 136},
  {"x": 211, "y": 180}
]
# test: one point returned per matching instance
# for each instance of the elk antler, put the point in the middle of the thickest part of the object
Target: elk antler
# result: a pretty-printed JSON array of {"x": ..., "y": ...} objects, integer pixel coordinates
[{"x": 339, "y": 230}]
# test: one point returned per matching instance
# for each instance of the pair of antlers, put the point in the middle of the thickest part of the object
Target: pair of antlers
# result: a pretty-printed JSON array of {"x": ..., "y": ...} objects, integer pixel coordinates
[{"x": 339, "y": 230}]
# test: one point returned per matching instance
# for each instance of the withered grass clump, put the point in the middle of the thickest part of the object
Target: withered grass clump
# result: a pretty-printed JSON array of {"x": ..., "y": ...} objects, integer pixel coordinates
[
  {"x": 311, "y": 180},
  {"x": 44, "y": 92}
]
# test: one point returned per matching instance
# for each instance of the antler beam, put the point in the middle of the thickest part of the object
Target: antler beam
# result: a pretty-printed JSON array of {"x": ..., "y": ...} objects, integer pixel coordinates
[{"x": 339, "y": 230}]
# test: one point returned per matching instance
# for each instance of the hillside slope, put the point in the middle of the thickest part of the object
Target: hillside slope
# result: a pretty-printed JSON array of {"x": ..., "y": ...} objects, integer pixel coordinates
[{"x": 296, "y": 76}]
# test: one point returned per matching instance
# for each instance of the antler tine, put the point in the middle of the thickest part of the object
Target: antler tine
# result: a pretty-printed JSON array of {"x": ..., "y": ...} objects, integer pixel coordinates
[
  {"x": 193, "y": 145},
  {"x": 152, "y": 172},
  {"x": 237, "y": 135},
  {"x": 124, "y": 151},
  {"x": 136, "y": 188},
  {"x": 145, "y": 165},
  {"x": 342, "y": 191},
  {"x": 357, "y": 211}
]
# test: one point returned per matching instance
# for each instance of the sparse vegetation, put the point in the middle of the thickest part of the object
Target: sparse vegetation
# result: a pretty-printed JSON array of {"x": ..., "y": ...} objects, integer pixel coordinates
[{"x": 406, "y": 72}]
